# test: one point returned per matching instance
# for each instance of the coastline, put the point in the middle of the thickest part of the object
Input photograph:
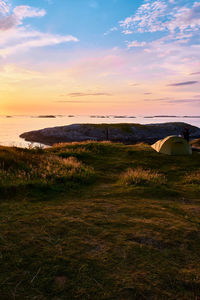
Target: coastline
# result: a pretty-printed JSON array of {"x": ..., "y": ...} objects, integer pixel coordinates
[{"x": 128, "y": 133}]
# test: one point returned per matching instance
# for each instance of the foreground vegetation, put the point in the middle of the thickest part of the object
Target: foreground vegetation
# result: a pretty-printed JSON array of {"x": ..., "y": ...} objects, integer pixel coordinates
[
  {"x": 99, "y": 221},
  {"x": 35, "y": 170}
]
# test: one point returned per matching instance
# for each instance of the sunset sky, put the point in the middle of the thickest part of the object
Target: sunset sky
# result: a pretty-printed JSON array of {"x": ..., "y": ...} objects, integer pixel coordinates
[{"x": 100, "y": 56}]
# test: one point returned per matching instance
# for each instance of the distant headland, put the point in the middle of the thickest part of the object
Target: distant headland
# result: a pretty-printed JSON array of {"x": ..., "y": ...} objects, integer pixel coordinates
[{"x": 122, "y": 132}]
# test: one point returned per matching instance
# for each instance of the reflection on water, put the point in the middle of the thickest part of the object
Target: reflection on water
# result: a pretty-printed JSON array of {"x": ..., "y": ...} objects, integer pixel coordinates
[{"x": 12, "y": 126}]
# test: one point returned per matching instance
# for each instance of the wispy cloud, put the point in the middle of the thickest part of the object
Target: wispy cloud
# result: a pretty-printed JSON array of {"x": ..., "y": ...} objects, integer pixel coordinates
[
  {"x": 171, "y": 100},
  {"x": 88, "y": 94},
  {"x": 134, "y": 84},
  {"x": 111, "y": 30},
  {"x": 183, "y": 83},
  {"x": 39, "y": 40},
  {"x": 194, "y": 101},
  {"x": 157, "y": 99},
  {"x": 16, "y": 37},
  {"x": 195, "y": 73},
  {"x": 71, "y": 101}
]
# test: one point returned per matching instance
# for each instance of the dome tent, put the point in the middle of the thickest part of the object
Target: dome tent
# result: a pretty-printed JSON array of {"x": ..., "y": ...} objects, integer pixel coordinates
[{"x": 173, "y": 145}]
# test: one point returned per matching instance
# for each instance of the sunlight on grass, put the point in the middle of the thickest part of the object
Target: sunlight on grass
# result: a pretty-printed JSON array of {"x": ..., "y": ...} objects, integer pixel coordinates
[
  {"x": 24, "y": 167},
  {"x": 83, "y": 149},
  {"x": 140, "y": 176}
]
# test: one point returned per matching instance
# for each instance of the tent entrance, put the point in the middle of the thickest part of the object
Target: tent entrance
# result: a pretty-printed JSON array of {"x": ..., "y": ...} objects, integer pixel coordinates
[{"x": 178, "y": 148}]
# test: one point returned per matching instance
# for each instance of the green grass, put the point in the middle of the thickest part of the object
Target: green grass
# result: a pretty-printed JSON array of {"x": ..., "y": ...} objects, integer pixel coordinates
[
  {"x": 141, "y": 177},
  {"x": 35, "y": 169},
  {"x": 84, "y": 234}
]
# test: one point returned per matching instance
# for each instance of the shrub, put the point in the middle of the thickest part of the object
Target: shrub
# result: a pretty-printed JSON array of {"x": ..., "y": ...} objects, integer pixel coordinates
[{"x": 140, "y": 176}]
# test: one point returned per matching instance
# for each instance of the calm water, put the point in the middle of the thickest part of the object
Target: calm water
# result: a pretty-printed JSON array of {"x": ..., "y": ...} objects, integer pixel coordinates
[{"x": 12, "y": 127}]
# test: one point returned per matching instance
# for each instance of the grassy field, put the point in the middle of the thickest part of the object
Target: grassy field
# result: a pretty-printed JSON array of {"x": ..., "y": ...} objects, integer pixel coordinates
[{"x": 99, "y": 221}]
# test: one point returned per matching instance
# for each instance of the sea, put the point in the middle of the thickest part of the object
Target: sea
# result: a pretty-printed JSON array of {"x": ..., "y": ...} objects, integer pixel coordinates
[{"x": 12, "y": 126}]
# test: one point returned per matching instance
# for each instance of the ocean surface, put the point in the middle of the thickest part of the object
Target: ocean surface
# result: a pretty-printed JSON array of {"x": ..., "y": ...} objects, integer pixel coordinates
[{"x": 12, "y": 126}]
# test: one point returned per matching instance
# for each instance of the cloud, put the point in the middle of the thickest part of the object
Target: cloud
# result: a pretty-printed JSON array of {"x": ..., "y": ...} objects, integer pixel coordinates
[
  {"x": 134, "y": 84},
  {"x": 40, "y": 40},
  {"x": 157, "y": 99},
  {"x": 148, "y": 18},
  {"x": 194, "y": 101},
  {"x": 161, "y": 16},
  {"x": 183, "y": 83},
  {"x": 195, "y": 73},
  {"x": 24, "y": 11},
  {"x": 127, "y": 31},
  {"x": 88, "y": 94},
  {"x": 71, "y": 101},
  {"x": 185, "y": 19},
  {"x": 4, "y": 7},
  {"x": 165, "y": 100},
  {"x": 136, "y": 44},
  {"x": 8, "y": 21},
  {"x": 171, "y": 100},
  {"x": 111, "y": 30},
  {"x": 16, "y": 37},
  {"x": 147, "y": 93}
]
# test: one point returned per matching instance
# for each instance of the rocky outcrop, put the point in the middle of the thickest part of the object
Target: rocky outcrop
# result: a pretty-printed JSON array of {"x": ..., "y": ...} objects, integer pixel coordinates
[{"x": 126, "y": 133}]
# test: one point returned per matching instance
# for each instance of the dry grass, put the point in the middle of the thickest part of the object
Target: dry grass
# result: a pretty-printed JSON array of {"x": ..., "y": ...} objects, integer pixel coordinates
[
  {"x": 195, "y": 143},
  {"x": 21, "y": 167},
  {"x": 100, "y": 241},
  {"x": 79, "y": 144},
  {"x": 140, "y": 176},
  {"x": 192, "y": 178}
]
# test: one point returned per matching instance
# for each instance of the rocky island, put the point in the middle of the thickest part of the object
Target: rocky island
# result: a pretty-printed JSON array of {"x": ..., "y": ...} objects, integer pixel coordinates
[{"x": 126, "y": 133}]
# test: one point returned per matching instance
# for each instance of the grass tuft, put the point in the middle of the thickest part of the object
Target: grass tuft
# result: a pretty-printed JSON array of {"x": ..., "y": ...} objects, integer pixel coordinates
[
  {"x": 140, "y": 176},
  {"x": 192, "y": 178}
]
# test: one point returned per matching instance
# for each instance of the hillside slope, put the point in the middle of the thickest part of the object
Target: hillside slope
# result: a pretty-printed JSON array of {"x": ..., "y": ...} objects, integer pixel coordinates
[{"x": 124, "y": 224}]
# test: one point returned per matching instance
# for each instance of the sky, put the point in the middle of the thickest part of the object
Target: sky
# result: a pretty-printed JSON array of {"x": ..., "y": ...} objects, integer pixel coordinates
[{"x": 100, "y": 57}]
